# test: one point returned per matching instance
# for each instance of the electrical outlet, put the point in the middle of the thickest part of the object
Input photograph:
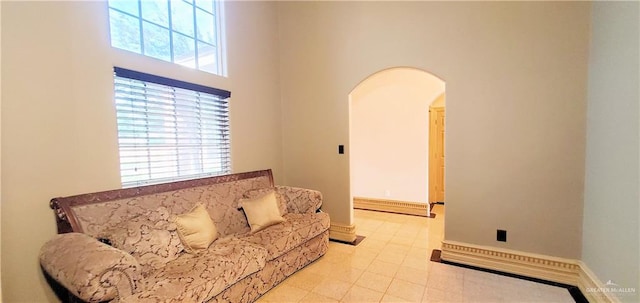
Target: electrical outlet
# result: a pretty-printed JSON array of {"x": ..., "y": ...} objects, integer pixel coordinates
[
  {"x": 501, "y": 235},
  {"x": 387, "y": 193},
  {"x": 341, "y": 149}
]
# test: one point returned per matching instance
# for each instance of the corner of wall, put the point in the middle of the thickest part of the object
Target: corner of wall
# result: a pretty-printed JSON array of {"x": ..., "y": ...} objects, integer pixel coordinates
[
  {"x": 592, "y": 288},
  {"x": 342, "y": 232},
  {"x": 0, "y": 150}
]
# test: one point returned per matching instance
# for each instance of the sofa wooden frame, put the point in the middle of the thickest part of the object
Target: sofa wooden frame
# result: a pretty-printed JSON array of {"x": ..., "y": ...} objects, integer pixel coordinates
[{"x": 67, "y": 222}]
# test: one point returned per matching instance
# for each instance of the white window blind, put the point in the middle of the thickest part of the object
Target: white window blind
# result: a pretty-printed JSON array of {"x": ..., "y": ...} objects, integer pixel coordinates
[{"x": 170, "y": 130}]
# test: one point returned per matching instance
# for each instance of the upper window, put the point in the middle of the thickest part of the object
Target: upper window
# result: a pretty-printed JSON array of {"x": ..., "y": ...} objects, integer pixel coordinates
[
  {"x": 186, "y": 32},
  {"x": 170, "y": 130}
]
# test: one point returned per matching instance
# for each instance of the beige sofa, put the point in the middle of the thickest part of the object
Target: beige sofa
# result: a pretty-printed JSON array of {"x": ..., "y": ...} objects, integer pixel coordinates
[{"x": 153, "y": 266}]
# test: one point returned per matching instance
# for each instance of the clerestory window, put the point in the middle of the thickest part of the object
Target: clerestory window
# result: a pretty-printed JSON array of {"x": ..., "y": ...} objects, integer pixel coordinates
[{"x": 185, "y": 32}]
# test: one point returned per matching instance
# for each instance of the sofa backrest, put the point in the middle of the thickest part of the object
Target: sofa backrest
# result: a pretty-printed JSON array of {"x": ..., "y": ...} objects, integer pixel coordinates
[{"x": 94, "y": 213}]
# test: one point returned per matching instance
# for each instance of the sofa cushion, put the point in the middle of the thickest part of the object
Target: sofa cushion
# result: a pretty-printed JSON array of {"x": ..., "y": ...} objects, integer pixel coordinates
[
  {"x": 199, "y": 277},
  {"x": 291, "y": 199},
  {"x": 255, "y": 193},
  {"x": 150, "y": 237},
  {"x": 196, "y": 230},
  {"x": 261, "y": 211},
  {"x": 298, "y": 228},
  {"x": 220, "y": 199}
]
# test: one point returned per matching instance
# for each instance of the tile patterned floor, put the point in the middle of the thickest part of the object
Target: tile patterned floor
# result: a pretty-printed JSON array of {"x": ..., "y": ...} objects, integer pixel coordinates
[{"x": 392, "y": 265}]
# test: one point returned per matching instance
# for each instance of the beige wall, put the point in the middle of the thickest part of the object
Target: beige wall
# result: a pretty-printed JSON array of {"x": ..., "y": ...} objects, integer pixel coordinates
[
  {"x": 389, "y": 134},
  {"x": 58, "y": 118},
  {"x": 611, "y": 230},
  {"x": 0, "y": 151},
  {"x": 516, "y": 89}
]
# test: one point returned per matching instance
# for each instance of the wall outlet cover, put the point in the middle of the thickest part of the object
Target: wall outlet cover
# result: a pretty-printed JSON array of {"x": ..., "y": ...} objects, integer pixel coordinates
[{"x": 501, "y": 235}]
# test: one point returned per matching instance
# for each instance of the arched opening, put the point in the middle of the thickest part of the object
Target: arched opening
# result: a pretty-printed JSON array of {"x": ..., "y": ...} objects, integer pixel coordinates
[{"x": 389, "y": 130}]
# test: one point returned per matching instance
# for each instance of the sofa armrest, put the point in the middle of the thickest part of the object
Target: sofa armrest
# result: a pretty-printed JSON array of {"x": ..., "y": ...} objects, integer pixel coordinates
[
  {"x": 300, "y": 200},
  {"x": 91, "y": 270}
]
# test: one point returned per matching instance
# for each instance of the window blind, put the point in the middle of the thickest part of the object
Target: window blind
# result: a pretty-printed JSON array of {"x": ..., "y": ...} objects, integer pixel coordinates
[{"x": 170, "y": 130}]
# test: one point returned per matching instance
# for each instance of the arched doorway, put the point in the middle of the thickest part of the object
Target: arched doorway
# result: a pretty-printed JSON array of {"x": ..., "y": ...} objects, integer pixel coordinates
[{"x": 389, "y": 140}]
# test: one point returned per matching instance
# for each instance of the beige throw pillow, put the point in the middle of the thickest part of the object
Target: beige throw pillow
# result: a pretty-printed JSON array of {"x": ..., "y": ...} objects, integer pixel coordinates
[
  {"x": 196, "y": 229},
  {"x": 261, "y": 211},
  {"x": 256, "y": 193}
]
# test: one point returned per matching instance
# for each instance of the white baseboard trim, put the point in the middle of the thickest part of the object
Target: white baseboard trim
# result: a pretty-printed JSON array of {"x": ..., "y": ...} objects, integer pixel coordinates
[
  {"x": 342, "y": 232},
  {"x": 592, "y": 288},
  {"x": 511, "y": 261},
  {"x": 393, "y": 206}
]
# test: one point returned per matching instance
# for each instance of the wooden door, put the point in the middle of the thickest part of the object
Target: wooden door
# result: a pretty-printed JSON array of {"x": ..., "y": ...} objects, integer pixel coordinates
[{"x": 436, "y": 154}]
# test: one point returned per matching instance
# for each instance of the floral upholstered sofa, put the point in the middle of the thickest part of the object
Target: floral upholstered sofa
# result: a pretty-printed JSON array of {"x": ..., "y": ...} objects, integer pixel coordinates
[{"x": 134, "y": 245}]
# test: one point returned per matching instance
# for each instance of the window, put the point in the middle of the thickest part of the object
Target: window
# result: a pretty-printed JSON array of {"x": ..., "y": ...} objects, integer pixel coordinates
[
  {"x": 170, "y": 130},
  {"x": 186, "y": 32}
]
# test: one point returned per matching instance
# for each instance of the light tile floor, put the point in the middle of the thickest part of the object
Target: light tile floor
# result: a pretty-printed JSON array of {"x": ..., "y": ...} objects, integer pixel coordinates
[{"x": 392, "y": 265}]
